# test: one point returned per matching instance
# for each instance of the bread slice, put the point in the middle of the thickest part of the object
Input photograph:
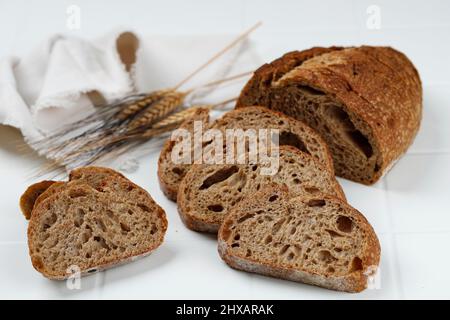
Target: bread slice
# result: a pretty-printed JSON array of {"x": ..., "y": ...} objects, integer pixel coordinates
[
  {"x": 208, "y": 192},
  {"x": 104, "y": 221},
  {"x": 320, "y": 240},
  {"x": 366, "y": 102},
  {"x": 170, "y": 174},
  {"x": 292, "y": 132},
  {"x": 30, "y": 195}
]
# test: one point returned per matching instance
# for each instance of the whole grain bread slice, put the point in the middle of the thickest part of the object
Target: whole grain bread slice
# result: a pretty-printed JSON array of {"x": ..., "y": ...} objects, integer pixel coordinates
[
  {"x": 291, "y": 132},
  {"x": 208, "y": 192},
  {"x": 92, "y": 225},
  {"x": 316, "y": 240}
]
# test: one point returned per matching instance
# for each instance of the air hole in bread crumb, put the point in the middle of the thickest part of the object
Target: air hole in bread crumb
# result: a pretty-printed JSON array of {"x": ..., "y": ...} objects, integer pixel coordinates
[
  {"x": 219, "y": 176},
  {"x": 333, "y": 233},
  {"x": 316, "y": 203},
  {"x": 248, "y": 253},
  {"x": 356, "y": 264},
  {"x": 312, "y": 190},
  {"x": 124, "y": 227},
  {"x": 246, "y": 217},
  {"x": 100, "y": 224},
  {"x": 330, "y": 269},
  {"x": 268, "y": 239},
  {"x": 235, "y": 245},
  {"x": 273, "y": 198},
  {"x": 291, "y": 139},
  {"x": 178, "y": 171},
  {"x": 296, "y": 181},
  {"x": 290, "y": 256},
  {"x": 361, "y": 142},
  {"x": 325, "y": 256},
  {"x": 215, "y": 207},
  {"x": 284, "y": 249},
  {"x": 92, "y": 271},
  {"x": 143, "y": 207},
  {"x": 76, "y": 193},
  {"x": 344, "y": 224},
  {"x": 237, "y": 237},
  {"x": 79, "y": 217}
]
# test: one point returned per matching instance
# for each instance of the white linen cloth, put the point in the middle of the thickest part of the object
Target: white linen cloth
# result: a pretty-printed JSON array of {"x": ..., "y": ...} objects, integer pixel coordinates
[{"x": 55, "y": 83}]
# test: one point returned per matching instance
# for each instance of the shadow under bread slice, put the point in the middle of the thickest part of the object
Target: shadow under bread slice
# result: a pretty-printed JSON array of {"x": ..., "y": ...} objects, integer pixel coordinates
[
  {"x": 208, "y": 192},
  {"x": 317, "y": 240}
]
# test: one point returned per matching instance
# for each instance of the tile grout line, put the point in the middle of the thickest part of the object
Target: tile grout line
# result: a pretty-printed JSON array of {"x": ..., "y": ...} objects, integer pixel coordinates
[{"x": 395, "y": 262}]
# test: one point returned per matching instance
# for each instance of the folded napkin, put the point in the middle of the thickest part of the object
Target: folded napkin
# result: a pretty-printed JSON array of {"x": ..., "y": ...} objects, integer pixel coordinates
[
  {"x": 61, "y": 79},
  {"x": 65, "y": 77}
]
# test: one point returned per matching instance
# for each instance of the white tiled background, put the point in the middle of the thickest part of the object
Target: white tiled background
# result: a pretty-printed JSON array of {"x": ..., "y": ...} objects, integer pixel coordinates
[{"x": 409, "y": 208}]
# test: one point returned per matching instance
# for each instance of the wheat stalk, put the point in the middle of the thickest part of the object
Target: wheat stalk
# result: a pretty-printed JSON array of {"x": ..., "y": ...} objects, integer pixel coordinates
[
  {"x": 166, "y": 105},
  {"x": 139, "y": 105}
]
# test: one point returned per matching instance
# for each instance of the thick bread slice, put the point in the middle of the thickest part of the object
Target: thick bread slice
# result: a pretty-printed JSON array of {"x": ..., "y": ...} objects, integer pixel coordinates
[
  {"x": 292, "y": 132},
  {"x": 169, "y": 173},
  {"x": 208, "y": 192},
  {"x": 94, "y": 228},
  {"x": 30, "y": 195},
  {"x": 366, "y": 102},
  {"x": 315, "y": 240}
]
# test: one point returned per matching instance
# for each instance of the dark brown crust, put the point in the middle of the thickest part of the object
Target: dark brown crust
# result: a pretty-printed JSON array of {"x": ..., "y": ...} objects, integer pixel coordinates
[
  {"x": 29, "y": 197},
  {"x": 378, "y": 85},
  {"x": 39, "y": 209},
  {"x": 353, "y": 282},
  {"x": 170, "y": 190}
]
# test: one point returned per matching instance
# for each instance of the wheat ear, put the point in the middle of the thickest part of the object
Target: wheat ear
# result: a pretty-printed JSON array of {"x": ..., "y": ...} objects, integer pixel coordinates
[
  {"x": 166, "y": 105},
  {"x": 141, "y": 104}
]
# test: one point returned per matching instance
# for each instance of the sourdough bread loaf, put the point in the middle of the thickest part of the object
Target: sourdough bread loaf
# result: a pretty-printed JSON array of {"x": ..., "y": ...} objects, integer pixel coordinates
[
  {"x": 96, "y": 220},
  {"x": 314, "y": 239},
  {"x": 291, "y": 132},
  {"x": 208, "y": 192},
  {"x": 366, "y": 102}
]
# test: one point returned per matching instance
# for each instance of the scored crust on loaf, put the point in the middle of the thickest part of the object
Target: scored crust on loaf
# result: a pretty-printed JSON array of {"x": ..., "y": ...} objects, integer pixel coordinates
[
  {"x": 208, "y": 192},
  {"x": 291, "y": 132},
  {"x": 366, "y": 102},
  {"x": 94, "y": 225},
  {"x": 320, "y": 241}
]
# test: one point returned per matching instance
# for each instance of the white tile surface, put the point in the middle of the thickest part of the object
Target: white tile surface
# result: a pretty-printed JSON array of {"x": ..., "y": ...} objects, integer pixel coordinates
[
  {"x": 423, "y": 260},
  {"x": 20, "y": 281},
  {"x": 408, "y": 208},
  {"x": 418, "y": 193}
]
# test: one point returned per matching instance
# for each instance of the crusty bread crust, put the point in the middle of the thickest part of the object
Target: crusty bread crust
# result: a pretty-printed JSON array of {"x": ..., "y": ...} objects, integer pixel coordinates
[
  {"x": 377, "y": 85},
  {"x": 352, "y": 282}
]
